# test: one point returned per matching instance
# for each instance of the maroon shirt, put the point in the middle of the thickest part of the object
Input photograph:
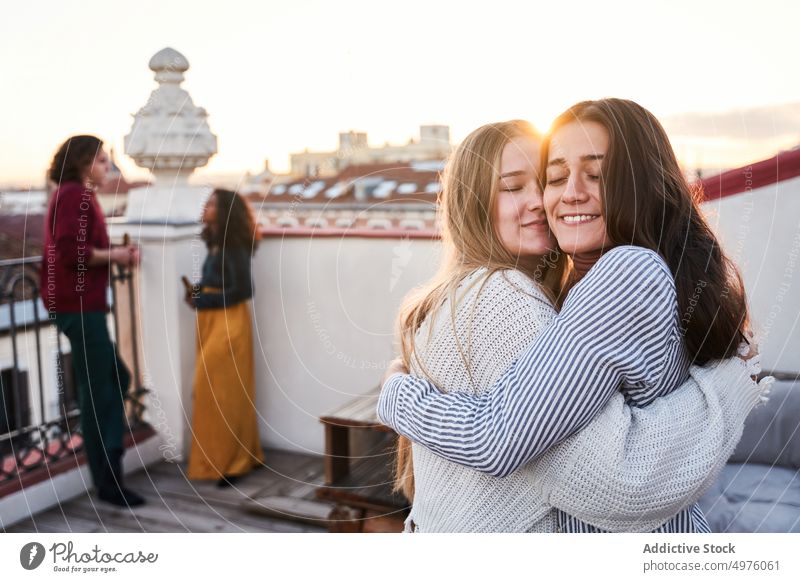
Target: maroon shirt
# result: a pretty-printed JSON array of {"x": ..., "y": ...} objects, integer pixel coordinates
[{"x": 74, "y": 227}]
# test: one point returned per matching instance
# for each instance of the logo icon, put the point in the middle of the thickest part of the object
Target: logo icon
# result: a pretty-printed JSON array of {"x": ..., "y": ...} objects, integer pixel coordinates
[
  {"x": 31, "y": 555},
  {"x": 402, "y": 254}
]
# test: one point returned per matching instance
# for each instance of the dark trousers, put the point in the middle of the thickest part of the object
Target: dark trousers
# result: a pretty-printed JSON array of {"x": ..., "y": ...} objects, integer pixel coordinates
[{"x": 102, "y": 379}]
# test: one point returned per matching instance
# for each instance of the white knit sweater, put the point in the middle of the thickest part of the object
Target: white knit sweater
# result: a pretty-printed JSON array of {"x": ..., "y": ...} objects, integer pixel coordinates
[{"x": 631, "y": 469}]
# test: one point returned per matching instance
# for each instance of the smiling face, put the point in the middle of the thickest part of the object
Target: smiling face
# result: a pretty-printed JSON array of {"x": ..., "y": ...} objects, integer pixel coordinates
[
  {"x": 519, "y": 215},
  {"x": 573, "y": 197}
]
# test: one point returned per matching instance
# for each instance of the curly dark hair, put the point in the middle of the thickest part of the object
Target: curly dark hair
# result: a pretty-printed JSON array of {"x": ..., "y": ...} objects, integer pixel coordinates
[
  {"x": 235, "y": 227},
  {"x": 73, "y": 156}
]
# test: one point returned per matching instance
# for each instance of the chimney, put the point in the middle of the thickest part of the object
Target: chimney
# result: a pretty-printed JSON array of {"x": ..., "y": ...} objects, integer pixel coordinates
[{"x": 439, "y": 134}]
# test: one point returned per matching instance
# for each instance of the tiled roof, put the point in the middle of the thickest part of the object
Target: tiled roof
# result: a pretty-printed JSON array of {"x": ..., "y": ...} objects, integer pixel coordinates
[{"x": 374, "y": 183}]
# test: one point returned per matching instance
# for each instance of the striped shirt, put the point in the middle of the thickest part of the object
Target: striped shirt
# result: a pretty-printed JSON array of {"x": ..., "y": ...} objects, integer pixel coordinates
[{"x": 618, "y": 330}]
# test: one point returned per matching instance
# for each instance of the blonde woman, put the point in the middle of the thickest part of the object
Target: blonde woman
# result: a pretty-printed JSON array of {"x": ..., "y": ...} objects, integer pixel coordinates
[{"x": 494, "y": 294}]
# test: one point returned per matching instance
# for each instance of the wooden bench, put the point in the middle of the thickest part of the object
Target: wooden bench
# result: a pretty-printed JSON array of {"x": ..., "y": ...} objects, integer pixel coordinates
[{"x": 360, "y": 485}]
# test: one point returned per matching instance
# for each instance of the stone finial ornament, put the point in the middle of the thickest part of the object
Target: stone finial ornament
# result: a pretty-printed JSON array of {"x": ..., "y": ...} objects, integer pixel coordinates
[{"x": 170, "y": 135}]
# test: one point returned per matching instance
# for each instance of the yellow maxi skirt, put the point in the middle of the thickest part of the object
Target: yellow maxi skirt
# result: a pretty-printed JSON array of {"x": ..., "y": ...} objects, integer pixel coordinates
[{"x": 224, "y": 427}]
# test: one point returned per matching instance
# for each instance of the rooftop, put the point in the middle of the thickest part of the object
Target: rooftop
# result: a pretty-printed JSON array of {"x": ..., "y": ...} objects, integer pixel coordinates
[
  {"x": 175, "y": 504},
  {"x": 385, "y": 182}
]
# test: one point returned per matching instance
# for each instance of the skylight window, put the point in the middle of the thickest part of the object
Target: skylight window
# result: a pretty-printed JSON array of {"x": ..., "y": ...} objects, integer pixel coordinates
[
  {"x": 384, "y": 189},
  {"x": 336, "y": 190},
  {"x": 428, "y": 166},
  {"x": 313, "y": 189}
]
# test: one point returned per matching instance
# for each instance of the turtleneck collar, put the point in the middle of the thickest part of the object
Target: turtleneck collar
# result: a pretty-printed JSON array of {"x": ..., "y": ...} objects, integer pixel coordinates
[{"x": 582, "y": 262}]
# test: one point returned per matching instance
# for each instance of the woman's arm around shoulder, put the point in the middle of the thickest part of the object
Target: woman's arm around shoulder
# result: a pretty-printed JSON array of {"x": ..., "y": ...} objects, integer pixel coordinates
[
  {"x": 615, "y": 327},
  {"x": 632, "y": 469},
  {"x": 499, "y": 316}
]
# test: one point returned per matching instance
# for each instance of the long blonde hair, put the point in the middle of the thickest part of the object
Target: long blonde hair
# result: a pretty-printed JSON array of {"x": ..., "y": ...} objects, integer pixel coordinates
[{"x": 469, "y": 235}]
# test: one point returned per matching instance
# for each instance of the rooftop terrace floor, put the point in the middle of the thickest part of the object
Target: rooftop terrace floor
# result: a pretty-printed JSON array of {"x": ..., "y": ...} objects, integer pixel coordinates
[{"x": 176, "y": 504}]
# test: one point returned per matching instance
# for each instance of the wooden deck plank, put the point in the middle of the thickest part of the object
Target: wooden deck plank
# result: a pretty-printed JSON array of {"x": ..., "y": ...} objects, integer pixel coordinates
[
  {"x": 368, "y": 485},
  {"x": 301, "y": 483},
  {"x": 287, "y": 473},
  {"x": 160, "y": 482},
  {"x": 176, "y": 504},
  {"x": 169, "y": 513},
  {"x": 301, "y": 510},
  {"x": 52, "y": 522}
]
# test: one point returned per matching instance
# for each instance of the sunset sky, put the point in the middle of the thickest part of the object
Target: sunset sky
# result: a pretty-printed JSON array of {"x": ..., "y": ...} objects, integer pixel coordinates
[{"x": 279, "y": 77}]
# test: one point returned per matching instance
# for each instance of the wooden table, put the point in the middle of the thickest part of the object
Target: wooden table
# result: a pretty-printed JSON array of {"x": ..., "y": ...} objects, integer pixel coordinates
[{"x": 360, "y": 486}]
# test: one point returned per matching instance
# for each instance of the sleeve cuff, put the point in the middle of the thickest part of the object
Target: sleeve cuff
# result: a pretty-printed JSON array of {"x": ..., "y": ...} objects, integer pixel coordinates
[{"x": 388, "y": 399}]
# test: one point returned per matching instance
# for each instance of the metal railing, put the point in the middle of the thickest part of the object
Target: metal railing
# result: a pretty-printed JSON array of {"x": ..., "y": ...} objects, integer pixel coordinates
[{"x": 32, "y": 437}]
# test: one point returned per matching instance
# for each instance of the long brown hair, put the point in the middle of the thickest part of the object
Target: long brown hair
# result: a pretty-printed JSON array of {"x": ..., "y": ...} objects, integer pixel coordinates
[
  {"x": 648, "y": 202},
  {"x": 235, "y": 227},
  {"x": 470, "y": 239}
]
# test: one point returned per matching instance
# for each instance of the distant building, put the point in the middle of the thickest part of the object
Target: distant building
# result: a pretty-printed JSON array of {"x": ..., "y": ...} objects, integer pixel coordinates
[
  {"x": 113, "y": 196},
  {"x": 258, "y": 184},
  {"x": 375, "y": 196},
  {"x": 433, "y": 144},
  {"x": 14, "y": 202},
  {"x": 21, "y": 235}
]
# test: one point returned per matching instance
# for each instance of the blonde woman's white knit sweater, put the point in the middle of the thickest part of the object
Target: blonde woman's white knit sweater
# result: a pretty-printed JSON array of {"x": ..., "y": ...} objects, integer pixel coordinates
[{"x": 496, "y": 317}]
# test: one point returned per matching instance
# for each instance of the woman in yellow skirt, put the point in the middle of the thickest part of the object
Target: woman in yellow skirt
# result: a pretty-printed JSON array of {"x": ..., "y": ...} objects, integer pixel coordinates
[{"x": 225, "y": 441}]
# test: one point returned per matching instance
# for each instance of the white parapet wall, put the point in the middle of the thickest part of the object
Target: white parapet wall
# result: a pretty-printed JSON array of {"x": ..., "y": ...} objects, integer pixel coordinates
[
  {"x": 760, "y": 230},
  {"x": 167, "y": 326},
  {"x": 325, "y": 312}
]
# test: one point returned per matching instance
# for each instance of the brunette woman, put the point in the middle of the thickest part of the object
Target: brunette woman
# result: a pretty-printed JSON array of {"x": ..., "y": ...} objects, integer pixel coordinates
[
  {"x": 74, "y": 287},
  {"x": 225, "y": 440}
]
